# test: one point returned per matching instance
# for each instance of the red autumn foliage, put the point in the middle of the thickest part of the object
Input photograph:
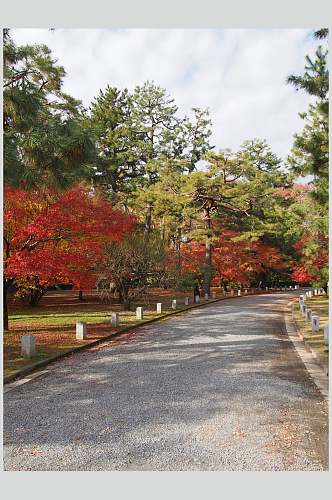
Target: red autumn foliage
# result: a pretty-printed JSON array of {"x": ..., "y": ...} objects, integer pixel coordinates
[
  {"x": 313, "y": 253},
  {"x": 58, "y": 237},
  {"x": 232, "y": 261},
  {"x": 241, "y": 260}
]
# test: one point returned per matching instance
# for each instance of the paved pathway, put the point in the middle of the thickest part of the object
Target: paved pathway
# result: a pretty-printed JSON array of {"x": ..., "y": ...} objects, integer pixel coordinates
[{"x": 217, "y": 388}]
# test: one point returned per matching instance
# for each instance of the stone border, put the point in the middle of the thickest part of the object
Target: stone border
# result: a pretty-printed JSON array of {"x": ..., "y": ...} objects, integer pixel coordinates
[
  {"x": 319, "y": 361},
  {"x": 312, "y": 363},
  {"x": 40, "y": 364}
]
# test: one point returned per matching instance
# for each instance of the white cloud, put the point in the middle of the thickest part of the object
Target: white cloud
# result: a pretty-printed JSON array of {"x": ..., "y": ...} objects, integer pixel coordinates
[{"x": 239, "y": 74}]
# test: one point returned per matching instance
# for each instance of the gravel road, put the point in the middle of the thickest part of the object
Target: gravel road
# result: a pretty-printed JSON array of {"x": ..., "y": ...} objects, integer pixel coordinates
[{"x": 217, "y": 388}]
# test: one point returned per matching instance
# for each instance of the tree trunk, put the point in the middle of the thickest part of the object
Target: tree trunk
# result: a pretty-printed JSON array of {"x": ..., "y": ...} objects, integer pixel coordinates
[
  {"x": 5, "y": 304},
  {"x": 178, "y": 251},
  {"x": 124, "y": 294},
  {"x": 208, "y": 254},
  {"x": 36, "y": 295},
  {"x": 148, "y": 221},
  {"x": 80, "y": 295}
]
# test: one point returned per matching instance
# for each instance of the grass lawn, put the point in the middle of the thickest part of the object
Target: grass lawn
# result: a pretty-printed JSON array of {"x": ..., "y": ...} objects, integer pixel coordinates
[{"x": 319, "y": 306}]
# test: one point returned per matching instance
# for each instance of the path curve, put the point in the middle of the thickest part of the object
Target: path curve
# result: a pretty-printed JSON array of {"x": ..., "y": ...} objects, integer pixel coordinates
[{"x": 216, "y": 388}]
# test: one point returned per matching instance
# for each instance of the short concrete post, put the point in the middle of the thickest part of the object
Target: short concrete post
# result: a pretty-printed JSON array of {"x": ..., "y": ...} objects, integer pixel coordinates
[
  {"x": 246, "y": 292},
  {"x": 28, "y": 346},
  {"x": 213, "y": 295},
  {"x": 80, "y": 330},
  {"x": 224, "y": 293},
  {"x": 232, "y": 293},
  {"x": 266, "y": 288},
  {"x": 115, "y": 319},
  {"x": 197, "y": 299},
  {"x": 206, "y": 296},
  {"x": 308, "y": 314},
  {"x": 186, "y": 301},
  {"x": 315, "y": 323},
  {"x": 326, "y": 334},
  {"x": 139, "y": 313},
  {"x": 239, "y": 293},
  {"x": 159, "y": 307},
  {"x": 174, "y": 304}
]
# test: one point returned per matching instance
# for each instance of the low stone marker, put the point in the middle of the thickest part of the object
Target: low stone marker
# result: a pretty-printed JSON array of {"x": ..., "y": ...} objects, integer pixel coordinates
[
  {"x": 232, "y": 293},
  {"x": 239, "y": 293},
  {"x": 174, "y": 304},
  {"x": 206, "y": 296},
  {"x": 326, "y": 334},
  {"x": 80, "y": 330},
  {"x": 186, "y": 301},
  {"x": 315, "y": 323},
  {"x": 224, "y": 293},
  {"x": 213, "y": 295},
  {"x": 266, "y": 288},
  {"x": 159, "y": 307},
  {"x": 115, "y": 319},
  {"x": 245, "y": 292},
  {"x": 197, "y": 299},
  {"x": 308, "y": 314},
  {"x": 139, "y": 313},
  {"x": 28, "y": 346}
]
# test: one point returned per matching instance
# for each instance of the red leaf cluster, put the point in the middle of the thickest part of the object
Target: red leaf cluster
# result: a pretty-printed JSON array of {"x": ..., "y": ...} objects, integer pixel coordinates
[{"x": 58, "y": 237}]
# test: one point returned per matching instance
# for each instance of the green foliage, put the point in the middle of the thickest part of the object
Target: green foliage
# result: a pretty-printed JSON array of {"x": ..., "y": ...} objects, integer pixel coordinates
[
  {"x": 139, "y": 136},
  {"x": 46, "y": 137},
  {"x": 310, "y": 151}
]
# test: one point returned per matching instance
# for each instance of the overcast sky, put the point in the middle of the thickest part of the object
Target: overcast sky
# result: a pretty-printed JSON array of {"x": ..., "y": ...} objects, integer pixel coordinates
[{"x": 240, "y": 75}]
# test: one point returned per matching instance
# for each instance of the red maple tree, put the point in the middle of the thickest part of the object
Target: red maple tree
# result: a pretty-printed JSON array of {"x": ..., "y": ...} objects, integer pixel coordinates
[{"x": 54, "y": 237}]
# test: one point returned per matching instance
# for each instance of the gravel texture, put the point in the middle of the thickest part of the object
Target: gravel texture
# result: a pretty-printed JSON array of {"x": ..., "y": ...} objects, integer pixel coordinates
[{"x": 216, "y": 388}]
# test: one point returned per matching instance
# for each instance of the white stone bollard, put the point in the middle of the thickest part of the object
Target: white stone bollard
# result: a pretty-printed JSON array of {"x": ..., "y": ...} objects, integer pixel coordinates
[
  {"x": 239, "y": 293},
  {"x": 224, "y": 293},
  {"x": 28, "y": 346},
  {"x": 315, "y": 323},
  {"x": 308, "y": 314},
  {"x": 115, "y": 319},
  {"x": 174, "y": 304},
  {"x": 206, "y": 296},
  {"x": 246, "y": 292},
  {"x": 266, "y": 288},
  {"x": 326, "y": 334},
  {"x": 186, "y": 301},
  {"x": 232, "y": 293},
  {"x": 80, "y": 330},
  {"x": 159, "y": 307},
  {"x": 213, "y": 295},
  {"x": 139, "y": 313}
]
